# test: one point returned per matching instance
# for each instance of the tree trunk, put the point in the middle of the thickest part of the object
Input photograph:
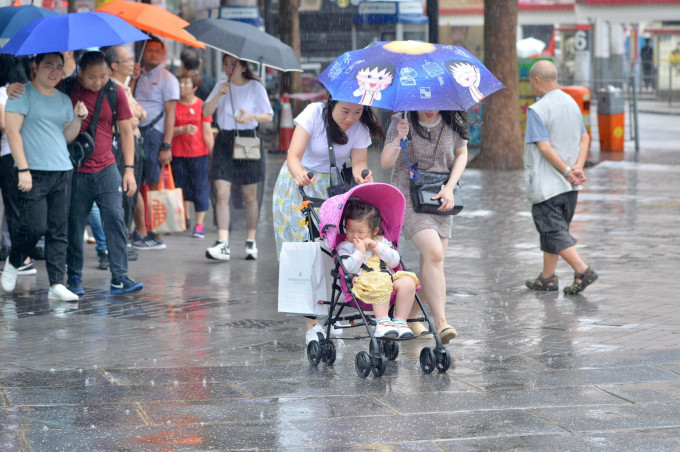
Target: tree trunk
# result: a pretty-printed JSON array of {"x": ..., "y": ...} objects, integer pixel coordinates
[
  {"x": 289, "y": 32},
  {"x": 501, "y": 141}
]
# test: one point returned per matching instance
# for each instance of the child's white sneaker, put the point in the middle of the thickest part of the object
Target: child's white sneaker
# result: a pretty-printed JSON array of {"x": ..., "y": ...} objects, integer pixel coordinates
[
  {"x": 311, "y": 334},
  {"x": 403, "y": 329},
  {"x": 385, "y": 328}
]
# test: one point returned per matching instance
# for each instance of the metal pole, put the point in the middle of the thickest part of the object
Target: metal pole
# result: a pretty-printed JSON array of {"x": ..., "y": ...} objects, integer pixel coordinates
[
  {"x": 432, "y": 10},
  {"x": 670, "y": 83},
  {"x": 635, "y": 120}
]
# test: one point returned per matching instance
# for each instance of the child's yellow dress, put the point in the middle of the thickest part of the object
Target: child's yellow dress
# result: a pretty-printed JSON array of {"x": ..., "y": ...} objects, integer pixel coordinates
[{"x": 375, "y": 286}]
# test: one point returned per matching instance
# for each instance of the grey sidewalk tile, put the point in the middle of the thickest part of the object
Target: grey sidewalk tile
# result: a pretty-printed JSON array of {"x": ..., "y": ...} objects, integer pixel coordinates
[
  {"x": 79, "y": 416},
  {"x": 77, "y": 377},
  {"x": 621, "y": 417},
  {"x": 644, "y": 392},
  {"x": 119, "y": 394},
  {"x": 574, "y": 377},
  {"x": 433, "y": 427},
  {"x": 499, "y": 400},
  {"x": 264, "y": 436},
  {"x": 624, "y": 358},
  {"x": 11, "y": 441},
  {"x": 663, "y": 439},
  {"x": 248, "y": 410}
]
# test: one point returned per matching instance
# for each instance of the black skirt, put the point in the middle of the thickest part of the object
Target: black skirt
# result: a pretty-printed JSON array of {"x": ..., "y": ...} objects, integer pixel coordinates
[{"x": 240, "y": 172}]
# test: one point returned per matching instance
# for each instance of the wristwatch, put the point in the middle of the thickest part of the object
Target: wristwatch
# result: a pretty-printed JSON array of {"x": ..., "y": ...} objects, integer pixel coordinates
[{"x": 166, "y": 146}]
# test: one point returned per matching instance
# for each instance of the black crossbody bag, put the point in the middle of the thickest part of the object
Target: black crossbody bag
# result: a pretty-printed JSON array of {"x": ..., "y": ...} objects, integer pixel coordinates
[{"x": 423, "y": 185}]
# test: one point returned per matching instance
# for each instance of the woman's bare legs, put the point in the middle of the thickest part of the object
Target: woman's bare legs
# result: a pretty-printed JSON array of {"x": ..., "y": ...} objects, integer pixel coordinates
[
  {"x": 223, "y": 195},
  {"x": 249, "y": 193},
  {"x": 432, "y": 249}
]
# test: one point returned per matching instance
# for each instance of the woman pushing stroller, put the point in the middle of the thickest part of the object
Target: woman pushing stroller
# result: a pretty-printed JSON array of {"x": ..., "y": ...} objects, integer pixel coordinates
[{"x": 367, "y": 254}]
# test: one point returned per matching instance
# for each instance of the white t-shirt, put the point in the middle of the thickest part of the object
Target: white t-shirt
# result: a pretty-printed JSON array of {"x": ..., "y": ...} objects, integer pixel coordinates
[
  {"x": 4, "y": 144},
  {"x": 251, "y": 97},
  {"x": 316, "y": 153}
]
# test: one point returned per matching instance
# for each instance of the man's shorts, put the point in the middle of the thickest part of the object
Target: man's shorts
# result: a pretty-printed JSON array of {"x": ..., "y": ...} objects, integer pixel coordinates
[
  {"x": 552, "y": 219},
  {"x": 152, "y": 145}
]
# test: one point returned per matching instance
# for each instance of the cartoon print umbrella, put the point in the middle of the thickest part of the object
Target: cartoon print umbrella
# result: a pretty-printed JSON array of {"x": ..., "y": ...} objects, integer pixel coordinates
[
  {"x": 152, "y": 19},
  {"x": 73, "y": 31},
  {"x": 14, "y": 18},
  {"x": 409, "y": 76}
]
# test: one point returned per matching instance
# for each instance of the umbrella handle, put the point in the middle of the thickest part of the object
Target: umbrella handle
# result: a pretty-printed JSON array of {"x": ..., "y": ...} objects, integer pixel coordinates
[{"x": 403, "y": 143}]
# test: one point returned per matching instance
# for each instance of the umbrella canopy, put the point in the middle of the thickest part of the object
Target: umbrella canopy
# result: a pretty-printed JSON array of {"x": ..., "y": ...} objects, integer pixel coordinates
[
  {"x": 152, "y": 19},
  {"x": 245, "y": 42},
  {"x": 409, "y": 76},
  {"x": 73, "y": 31},
  {"x": 14, "y": 18},
  {"x": 529, "y": 47}
]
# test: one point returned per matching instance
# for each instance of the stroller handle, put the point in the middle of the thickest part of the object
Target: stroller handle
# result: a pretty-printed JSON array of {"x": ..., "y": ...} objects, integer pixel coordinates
[{"x": 310, "y": 174}]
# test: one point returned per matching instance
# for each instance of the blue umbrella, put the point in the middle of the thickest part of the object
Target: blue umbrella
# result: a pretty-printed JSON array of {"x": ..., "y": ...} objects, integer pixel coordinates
[
  {"x": 409, "y": 76},
  {"x": 14, "y": 18},
  {"x": 72, "y": 32}
]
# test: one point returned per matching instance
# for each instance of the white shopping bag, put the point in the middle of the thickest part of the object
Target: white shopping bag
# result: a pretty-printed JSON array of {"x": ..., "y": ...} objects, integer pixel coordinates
[{"x": 304, "y": 278}]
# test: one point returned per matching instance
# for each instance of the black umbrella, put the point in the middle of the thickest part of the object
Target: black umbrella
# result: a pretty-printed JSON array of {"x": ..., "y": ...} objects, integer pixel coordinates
[{"x": 245, "y": 42}]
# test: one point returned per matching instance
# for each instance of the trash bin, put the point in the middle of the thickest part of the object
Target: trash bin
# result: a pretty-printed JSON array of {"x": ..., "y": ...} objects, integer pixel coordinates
[
  {"x": 610, "y": 118},
  {"x": 581, "y": 95}
]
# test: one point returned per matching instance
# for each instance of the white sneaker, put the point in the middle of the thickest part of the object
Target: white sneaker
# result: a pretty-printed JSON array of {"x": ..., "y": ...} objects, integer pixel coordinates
[
  {"x": 9, "y": 277},
  {"x": 219, "y": 251},
  {"x": 403, "y": 329},
  {"x": 311, "y": 334},
  {"x": 336, "y": 332},
  {"x": 386, "y": 328},
  {"x": 60, "y": 293},
  {"x": 251, "y": 250}
]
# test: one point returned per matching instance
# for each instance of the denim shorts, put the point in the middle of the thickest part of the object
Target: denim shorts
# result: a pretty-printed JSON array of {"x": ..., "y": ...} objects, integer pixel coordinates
[{"x": 552, "y": 219}]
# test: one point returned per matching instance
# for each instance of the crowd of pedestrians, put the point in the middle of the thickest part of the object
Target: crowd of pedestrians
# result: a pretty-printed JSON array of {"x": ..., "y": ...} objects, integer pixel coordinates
[{"x": 144, "y": 118}]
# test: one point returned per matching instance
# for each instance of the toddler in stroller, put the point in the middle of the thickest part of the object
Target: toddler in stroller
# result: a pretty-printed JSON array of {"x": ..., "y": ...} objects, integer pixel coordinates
[
  {"x": 361, "y": 228},
  {"x": 367, "y": 254}
]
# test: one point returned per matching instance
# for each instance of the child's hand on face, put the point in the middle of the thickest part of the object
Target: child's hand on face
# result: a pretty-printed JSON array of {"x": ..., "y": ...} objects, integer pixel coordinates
[
  {"x": 360, "y": 245},
  {"x": 370, "y": 243}
]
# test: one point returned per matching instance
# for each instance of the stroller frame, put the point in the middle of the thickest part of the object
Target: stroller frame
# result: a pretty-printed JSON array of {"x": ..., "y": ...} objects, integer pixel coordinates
[{"x": 381, "y": 349}]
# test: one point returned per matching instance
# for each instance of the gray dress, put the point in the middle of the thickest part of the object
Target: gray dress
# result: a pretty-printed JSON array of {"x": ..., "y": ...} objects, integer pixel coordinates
[{"x": 423, "y": 151}]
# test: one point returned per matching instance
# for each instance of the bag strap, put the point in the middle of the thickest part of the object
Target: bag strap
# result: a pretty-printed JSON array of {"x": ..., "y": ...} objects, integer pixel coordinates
[
  {"x": 331, "y": 158},
  {"x": 97, "y": 110},
  {"x": 414, "y": 166},
  {"x": 112, "y": 96},
  {"x": 233, "y": 110}
]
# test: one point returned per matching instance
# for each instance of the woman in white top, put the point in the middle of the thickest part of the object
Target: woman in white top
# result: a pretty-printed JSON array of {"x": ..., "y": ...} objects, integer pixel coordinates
[
  {"x": 241, "y": 102},
  {"x": 350, "y": 127}
]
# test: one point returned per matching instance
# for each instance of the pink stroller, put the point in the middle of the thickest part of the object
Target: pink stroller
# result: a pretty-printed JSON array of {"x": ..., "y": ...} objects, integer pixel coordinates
[{"x": 330, "y": 226}]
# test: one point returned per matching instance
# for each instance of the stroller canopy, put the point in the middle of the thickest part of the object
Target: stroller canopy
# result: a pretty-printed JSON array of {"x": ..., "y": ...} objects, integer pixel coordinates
[{"x": 387, "y": 198}]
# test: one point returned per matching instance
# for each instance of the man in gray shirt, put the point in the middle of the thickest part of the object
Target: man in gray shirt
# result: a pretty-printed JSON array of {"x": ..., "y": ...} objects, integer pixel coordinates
[{"x": 556, "y": 147}]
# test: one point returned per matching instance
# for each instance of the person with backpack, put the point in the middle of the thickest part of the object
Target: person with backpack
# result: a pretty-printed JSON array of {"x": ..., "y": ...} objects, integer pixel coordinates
[{"x": 97, "y": 178}]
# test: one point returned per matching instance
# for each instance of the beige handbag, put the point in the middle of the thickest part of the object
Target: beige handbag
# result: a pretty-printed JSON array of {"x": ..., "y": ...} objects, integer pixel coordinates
[{"x": 245, "y": 148}]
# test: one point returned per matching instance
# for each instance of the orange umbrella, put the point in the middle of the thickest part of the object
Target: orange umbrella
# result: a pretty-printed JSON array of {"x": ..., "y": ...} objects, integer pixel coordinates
[{"x": 153, "y": 19}]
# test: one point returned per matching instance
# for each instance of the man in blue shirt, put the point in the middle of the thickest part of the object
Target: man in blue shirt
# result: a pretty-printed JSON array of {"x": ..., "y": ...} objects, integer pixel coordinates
[{"x": 556, "y": 147}]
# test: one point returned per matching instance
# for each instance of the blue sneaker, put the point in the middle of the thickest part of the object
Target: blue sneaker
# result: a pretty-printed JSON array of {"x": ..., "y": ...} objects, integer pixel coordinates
[
  {"x": 125, "y": 285},
  {"x": 75, "y": 285}
]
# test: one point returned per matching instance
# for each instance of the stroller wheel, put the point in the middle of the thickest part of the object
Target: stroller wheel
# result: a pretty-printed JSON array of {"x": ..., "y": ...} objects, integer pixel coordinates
[
  {"x": 314, "y": 353},
  {"x": 328, "y": 352},
  {"x": 443, "y": 358},
  {"x": 391, "y": 350},
  {"x": 378, "y": 366},
  {"x": 428, "y": 360},
  {"x": 362, "y": 364}
]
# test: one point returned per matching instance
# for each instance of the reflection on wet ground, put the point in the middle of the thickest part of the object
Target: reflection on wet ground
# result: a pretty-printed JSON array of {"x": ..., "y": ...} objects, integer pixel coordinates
[{"x": 201, "y": 360}]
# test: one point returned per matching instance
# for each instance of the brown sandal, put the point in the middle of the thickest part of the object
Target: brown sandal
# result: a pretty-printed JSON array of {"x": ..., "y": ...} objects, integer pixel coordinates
[
  {"x": 581, "y": 281},
  {"x": 549, "y": 284}
]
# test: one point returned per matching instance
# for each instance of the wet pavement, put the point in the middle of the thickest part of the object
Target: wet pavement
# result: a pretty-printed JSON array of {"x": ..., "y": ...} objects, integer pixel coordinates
[{"x": 201, "y": 360}]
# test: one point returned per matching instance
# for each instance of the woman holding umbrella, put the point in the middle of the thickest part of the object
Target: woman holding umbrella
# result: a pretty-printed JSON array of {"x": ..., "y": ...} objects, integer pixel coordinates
[
  {"x": 349, "y": 127},
  {"x": 439, "y": 144},
  {"x": 241, "y": 103}
]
